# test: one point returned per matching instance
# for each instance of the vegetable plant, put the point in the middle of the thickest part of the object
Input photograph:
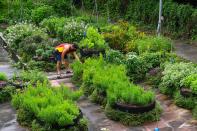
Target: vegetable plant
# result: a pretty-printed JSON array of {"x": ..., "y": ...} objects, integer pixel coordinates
[{"x": 93, "y": 40}]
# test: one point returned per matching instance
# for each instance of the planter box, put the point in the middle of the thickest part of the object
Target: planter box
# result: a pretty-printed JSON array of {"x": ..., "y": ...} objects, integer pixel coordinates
[
  {"x": 3, "y": 84},
  {"x": 134, "y": 108},
  {"x": 91, "y": 52}
]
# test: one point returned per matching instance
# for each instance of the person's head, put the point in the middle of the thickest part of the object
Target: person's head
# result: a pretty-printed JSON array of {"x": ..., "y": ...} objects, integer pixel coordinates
[{"x": 74, "y": 47}]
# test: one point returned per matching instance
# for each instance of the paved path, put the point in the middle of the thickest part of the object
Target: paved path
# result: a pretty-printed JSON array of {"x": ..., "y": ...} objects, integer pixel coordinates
[
  {"x": 187, "y": 51},
  {"x": 173, "y": 118},
  {"x": 7, "y": 113}
]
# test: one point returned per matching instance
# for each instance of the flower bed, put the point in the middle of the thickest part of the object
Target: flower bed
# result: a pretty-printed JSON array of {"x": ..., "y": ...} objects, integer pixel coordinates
[
  {"x": 49, "y": 108},
  {"x": 108, "y": 85}
]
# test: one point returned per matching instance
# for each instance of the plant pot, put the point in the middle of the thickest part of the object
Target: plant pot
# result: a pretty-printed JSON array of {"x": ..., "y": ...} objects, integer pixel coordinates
[
  {"x": 91, "y": 52},
  {"x": 187, "y": 92},
  {"x": 134, "y": 108},
  {"x": 3, "y": 84}
]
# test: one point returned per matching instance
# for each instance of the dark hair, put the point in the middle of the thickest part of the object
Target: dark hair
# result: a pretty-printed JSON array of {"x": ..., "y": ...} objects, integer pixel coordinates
[{"x": 75, "y": 46}]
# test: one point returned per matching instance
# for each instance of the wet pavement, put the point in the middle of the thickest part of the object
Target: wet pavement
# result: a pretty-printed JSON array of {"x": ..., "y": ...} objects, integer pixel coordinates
[
  {"x": 7, "y": 113},
  {"x": 187, "y": 51},
  {"x": 8, "y": 118},
  {"x": 173, "y": 118}
]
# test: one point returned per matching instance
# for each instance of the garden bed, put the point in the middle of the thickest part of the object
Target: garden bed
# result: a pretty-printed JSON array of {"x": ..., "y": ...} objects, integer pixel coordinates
[{"x": 132, "y": 119}]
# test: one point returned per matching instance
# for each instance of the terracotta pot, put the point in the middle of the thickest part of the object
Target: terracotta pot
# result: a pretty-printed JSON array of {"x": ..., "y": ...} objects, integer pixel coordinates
[{"x": 134, "y": 108}]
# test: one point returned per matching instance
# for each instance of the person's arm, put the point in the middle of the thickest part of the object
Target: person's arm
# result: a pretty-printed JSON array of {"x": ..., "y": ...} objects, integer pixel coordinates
[
  {"x": 76, "y": 56},
  {"x": 62, "y": 55}
]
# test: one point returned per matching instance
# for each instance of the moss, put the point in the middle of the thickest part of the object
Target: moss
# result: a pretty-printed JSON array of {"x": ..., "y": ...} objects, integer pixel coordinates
[
  {"x": 133, "y": 119},
  {"x": 188, "y": 103}
]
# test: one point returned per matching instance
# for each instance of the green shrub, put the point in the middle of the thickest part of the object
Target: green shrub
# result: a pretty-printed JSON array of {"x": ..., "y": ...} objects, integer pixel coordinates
[
  {"x": 136, "y": 67},
  {"x": 49, "y": 107},
  {"x": 53, "y": 25},
  {"x": 39, "y": 13},
  {"x": 78, "y": 72},
  {"x": 72, "y": 31},
  {"x": 6, "y": 93},
  {"x": 89, "y": 69},
  {"x": 93, "y": 40},
  {"x": 153, "y": 44},
  {"x": 121, "y": 36},
  {"x": 173, "y": 74},
  {"x": 33, "y": 76},
  {"x": 3, "y": 77},
  {"x": 129, "y": 94},
  {"x": 130, "y": 119},
  {"x": 25, "y": 39},
  {"x": 115, "y": 57},
  {"x": 190, "y": 82},
  {"x": 185, "y": 102}
]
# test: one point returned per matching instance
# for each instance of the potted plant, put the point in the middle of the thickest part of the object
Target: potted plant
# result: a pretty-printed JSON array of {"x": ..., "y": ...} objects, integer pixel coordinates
[
  {"x": 92, "y": 44},
  {"x": 3, "y": 80}
]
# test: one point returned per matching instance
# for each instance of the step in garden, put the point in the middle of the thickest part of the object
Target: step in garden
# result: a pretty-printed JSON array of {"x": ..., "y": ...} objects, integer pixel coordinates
[{"x": 173, "y": 118}]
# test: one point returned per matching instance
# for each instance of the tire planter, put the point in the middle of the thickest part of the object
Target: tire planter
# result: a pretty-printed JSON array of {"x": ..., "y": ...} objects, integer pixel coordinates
[
  {"x": 133, "y": 108},
  {"x": 186, "y": 92},
  {"x": 3, "y": 84},
  {"x": 91, "y": 52}
]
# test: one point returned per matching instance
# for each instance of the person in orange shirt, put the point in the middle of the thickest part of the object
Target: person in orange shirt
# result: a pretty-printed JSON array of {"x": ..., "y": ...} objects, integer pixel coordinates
[{"x": 61, "y": 52}]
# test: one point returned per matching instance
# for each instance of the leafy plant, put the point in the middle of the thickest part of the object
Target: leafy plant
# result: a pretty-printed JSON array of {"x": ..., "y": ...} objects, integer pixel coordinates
[
  {"x": 53, "y": 25},
  {"x": 93, "y": 40},
  {"x": 190, "y": 82},
  {"x": 173, "y": 74},
  {"x": 153, "y": 44},
  {"x": 72, "y": 31},
  {"x": 115, "y": 56},
  {"x": 6, "y": 93},
  {"x": 78, "y": 71},
  {"x": 39, "y": 13},
  {"x": 3, "y": 77},
  {"x": 121, "y": 36},
  {"x": 51, "y": 107}
]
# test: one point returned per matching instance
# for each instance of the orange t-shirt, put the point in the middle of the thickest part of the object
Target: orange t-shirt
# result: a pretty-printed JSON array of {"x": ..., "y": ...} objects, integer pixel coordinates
[{"x": 60, "y": 47}]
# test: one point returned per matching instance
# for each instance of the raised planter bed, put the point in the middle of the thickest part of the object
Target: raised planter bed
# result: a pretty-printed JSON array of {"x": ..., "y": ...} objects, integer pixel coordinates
[
  {"x": 3, "y": 84},
  {"x": 134, "y": 108},
  {"x": 91, "y": 52},
  {"x": 187, "y": 92}
]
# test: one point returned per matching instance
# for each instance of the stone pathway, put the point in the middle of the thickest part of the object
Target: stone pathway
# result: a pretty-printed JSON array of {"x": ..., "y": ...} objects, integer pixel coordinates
[
  {"x": 173, "y": 118},
  {"x": 187, "y": 51},
  {"x": 7, "y": 113}
]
